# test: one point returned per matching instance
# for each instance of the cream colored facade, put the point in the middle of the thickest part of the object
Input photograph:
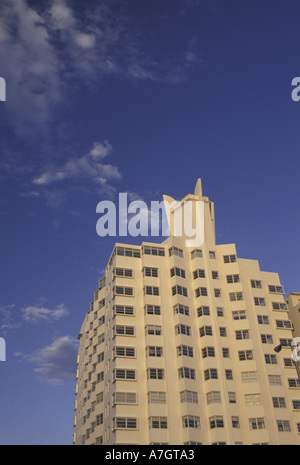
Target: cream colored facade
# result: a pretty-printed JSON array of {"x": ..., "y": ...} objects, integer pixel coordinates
[
  {"x": 293, "y": 303},
  {"x": 178, "y": 348}
]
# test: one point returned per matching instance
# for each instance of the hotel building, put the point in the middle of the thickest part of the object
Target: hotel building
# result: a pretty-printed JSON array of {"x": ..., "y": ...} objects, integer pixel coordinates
[{"x": 178, "y": 348}]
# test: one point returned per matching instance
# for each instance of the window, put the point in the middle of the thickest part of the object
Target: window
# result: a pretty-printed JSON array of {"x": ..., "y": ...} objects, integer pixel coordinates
[
  {"x": 276, "y": 289},
  {"x": 212, "y": 254},
  {"x": 257, "y": 423},
  {"x": 175, "y": 251},
  {"x": 283, "y": 426},
  {"x": 275, "y": 380},
  {"x": 186, "y": 373},
  {"x": 294, "y": 383},
  {"x": 296, "y": 405},
  {"x": 270, "y": 359},
  {"x": 123, "y": 273},
  {"x": 216, "y": 422},
  {"x": 149, "y": 250},
  {"x": 183, "y": 329},
  {"x": 120, "y": 374},
  {"x": 155, "y": 373},
  {"x": 101, "y": 305},
  {"x": 123, "y": 310},
  {"x": 154, "y": 351},
  {"x": 119, "y": 330},
  {"x": 99, "y": 419},
  {"x": 208, "y": 352},
  {"x": 153, "y": 330},
  {"x": 210, "y": 373},
  {"x": 256, "y": 284},
  {"x": 125, "y": 291},
  {"x": 229, "y": 375},
  {"x": 101, "y": 284},
  {"x": 259, "y": 301},
  {"x": 252, "y": 399},
  {"x": 201, "y": 291},
  {"x": 205, "y": 331},
  {"x": 215, "y": 275},
  {"x": 158, "y": 423},
  {"x": 232, "y": 397},
  {"x": 245, "y": 355},
  {"x": 124, "y": 423},
  {"x": 182, "y": 309},
  {"x": 128, "y": 252},
  {"x": 279, "y": 306},
  {"x": 278, "y": 402},
  {"x": 190, "y": 421},
  {"x": 199, "y": 274},
  {"x": 101, "y": 320},
  {"x": 249, "y": 376},
  {"x": 263, "y": 320},
  {"x": 239, "y": 315},
  {"x": 218, "y": 292},
  {"x": 266, "y": 339},
  {"x": 150, "y": 272},
  {"x": 233, "y": 278},
  {"x": 235, "y": 296},
  {"x": 124, "y": 352},
  {"x": 186, "y": 351},
  {"x": 225, "y": 352},
  {"x": 229, "y": 258},
  {"x": 283, "y": 324},
  {"x": 152, "y": 309},
  {"x": 124, "y": 398},
  {"x": 223, "y": 332},
  {"x": 189, "y": 397},
  {"x": 213, "y": 397},
  {"x": 235, "y": 421},
  {"x": 177, "y": 272},
  {"x": 157, "y": 397},
  {"x": 220, "y": 311},
  {"x": 204, "y": 310},
  {"x": 196, "y": 253},
  {"x": 151, "y": 290},
  {"x": 179, "y": 290},
  {"x": 242, "y": 334}
]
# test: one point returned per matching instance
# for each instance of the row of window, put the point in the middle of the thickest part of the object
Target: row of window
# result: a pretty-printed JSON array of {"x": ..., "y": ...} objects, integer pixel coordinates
[
  {"x": 120, "y": 374},
  {"x": 187, "y": 396},
  {"x": 212, "y": 397},
  {"x": 198, "y": 273},
  {"x": 199, "y": 292},
  {"x": 192, "y": 421}
]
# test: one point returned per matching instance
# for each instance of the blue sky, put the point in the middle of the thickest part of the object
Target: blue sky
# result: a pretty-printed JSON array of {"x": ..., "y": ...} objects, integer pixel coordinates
[{"x": 141, "y": 97}]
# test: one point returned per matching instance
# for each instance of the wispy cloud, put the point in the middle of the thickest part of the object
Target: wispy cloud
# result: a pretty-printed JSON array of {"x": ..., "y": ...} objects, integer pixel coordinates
[
  {"x": 8, "y": 321},
  {"x": 13, "y": 318},
  {"x": 48, "y": 50},
  {"x": 90, "y": 167},
  {"x": 42, "y": 314},
  {"x": 56, "y": 362}
]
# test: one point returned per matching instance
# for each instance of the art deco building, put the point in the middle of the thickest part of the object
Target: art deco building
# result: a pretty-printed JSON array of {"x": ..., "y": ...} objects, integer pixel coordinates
[{"x": 178, "y": 348}]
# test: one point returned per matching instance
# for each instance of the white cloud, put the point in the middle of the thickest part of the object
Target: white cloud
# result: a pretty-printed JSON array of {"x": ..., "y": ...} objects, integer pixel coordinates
[
  {"x": 89, "y": 166},
  {"x": 56, "y": 362},
  {"x": 29, "y": 64},
  {"x": 37, "y": 315},
  {"x": 45, "y": 51},
  {"x": 8, "y": 320}
]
